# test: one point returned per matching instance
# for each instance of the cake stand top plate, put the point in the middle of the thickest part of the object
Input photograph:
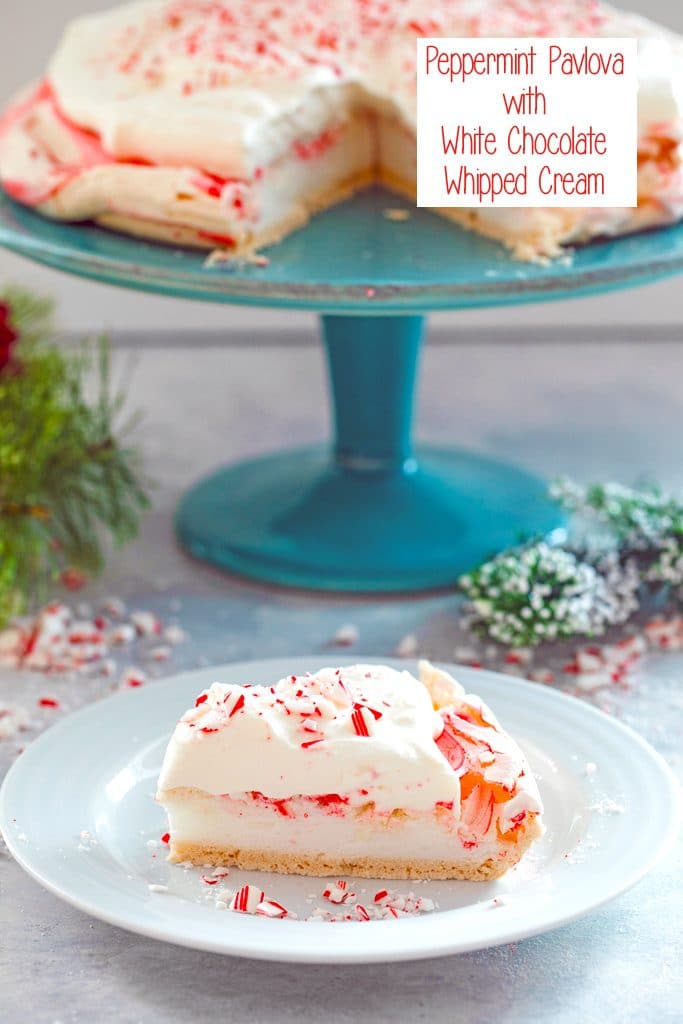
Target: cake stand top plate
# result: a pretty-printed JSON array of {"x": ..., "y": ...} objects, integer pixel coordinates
[{"x": 350, "y": 259}]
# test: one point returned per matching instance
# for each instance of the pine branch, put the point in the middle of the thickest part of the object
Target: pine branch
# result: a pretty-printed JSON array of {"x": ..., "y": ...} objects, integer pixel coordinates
[{"x": 68, "y": 487}]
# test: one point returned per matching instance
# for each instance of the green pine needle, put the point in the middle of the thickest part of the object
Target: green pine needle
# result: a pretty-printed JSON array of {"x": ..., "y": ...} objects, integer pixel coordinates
[{"x": 67, "y": 485}]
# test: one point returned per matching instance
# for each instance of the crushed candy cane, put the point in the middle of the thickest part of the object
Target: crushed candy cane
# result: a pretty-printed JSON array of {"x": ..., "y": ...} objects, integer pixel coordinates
[
  {"x": 64, "y": 640},
  {"x": 13, "y": 721},
  {"x": 407, "y": 646},
  {"x": 607, "y": 806},
  {"x": 114, "y": 607},
  {"x": 271, "y": 908},
  {"x": 122, "y": 635},
  {"x": 346, "y": 635},
  {"x": 133, "y": 677},
  {"x": 146, "y": 623},
  {"x": 160, "y": 653},
  {"x": 385, "y": 905},
  {"x": 247, "y": 899},
  {"x": 174, "y": 635},
  {"x": 338, "y": 892}
]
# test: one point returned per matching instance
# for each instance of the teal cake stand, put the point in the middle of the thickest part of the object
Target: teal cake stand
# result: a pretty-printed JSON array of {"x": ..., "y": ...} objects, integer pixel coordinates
[{"x": 373, "y": 513}]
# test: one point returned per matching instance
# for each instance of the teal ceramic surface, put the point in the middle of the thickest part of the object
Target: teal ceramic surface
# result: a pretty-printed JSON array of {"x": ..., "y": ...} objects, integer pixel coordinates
[
  {"x": 375, "y": 514},
  {"x": 350, "y": 259}
]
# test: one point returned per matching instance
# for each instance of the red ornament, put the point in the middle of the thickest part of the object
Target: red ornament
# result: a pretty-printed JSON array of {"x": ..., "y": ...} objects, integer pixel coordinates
[
  {"x": 72, "y": 579},
  {"x": 8, "y": 335}
]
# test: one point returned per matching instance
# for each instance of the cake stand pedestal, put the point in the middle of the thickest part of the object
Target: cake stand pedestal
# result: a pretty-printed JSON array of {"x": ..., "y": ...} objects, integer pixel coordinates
[{"x": 374, "y": 513}]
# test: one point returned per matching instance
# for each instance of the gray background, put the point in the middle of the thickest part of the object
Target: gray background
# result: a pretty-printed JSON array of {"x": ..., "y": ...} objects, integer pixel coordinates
[{"x": 29, "y": 30}]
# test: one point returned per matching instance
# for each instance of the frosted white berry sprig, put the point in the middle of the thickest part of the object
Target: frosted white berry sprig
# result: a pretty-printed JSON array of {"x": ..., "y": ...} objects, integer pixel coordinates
[
  {"x": 644, "y": 523},
  {"x": 637, "y": 519},
  {"x": 539, "y": 593}
]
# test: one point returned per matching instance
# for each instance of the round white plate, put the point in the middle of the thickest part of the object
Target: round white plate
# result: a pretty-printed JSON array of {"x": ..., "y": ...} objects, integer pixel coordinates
[{"x": 611, "y": 812}]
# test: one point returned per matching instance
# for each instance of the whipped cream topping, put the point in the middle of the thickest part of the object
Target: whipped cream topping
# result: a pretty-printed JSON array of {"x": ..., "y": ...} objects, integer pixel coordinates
[
  {"x": 365, "y": 733},
  {"x": 226, "y": 85}
]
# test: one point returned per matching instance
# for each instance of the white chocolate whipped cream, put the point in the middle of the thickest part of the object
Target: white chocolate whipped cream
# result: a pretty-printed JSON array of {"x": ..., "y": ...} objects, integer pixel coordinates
[
  {"x": 351, "y": 731},
  {"x": 362, "y": 733},
  {"x": 226, "y": 86}
]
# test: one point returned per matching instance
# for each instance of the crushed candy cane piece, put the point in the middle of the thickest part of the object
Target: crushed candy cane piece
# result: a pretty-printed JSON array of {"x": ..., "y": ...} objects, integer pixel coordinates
[
  {"x": 518, "y": 656},
  {"x": 160, "y": 653},
  {"x": 407, "y": 646},
  {"x": 607, "y": 806},
  {"x": 542, "y": 675},
  {"x": 588, "y": 661},
  {"x": 12, "y": 643},
  {"x": 233, "y": 702},
  {"x": 271, "y": 908},
  {"x": 346, "y": 635},
  {"x": 114, "y": 607},
  {"x": 363, "y": 721},
  {"x": 13, "y": 720},
  {"x": 146, "y": 623},
  {"x": 174, "y": 635},
  {"x": 155, "y": 887},
  {"x": 247, "y": 899},
  {"x": 338, "y": 892},
  {"x": 122, "y": 635},
  {"x": 464, "y": 655},
  {"x": 133, "y": 677},
  {"x": 593, "y": 681},
  {"x": 665, "y": 633}
]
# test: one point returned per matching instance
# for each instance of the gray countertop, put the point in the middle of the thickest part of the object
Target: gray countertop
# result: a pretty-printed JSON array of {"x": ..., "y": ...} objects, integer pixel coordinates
[{"x": 603, "y": 410}]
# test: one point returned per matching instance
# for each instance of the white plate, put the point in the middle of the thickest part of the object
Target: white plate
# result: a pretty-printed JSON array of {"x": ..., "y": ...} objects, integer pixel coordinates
[{"x": 96, "y": 772}]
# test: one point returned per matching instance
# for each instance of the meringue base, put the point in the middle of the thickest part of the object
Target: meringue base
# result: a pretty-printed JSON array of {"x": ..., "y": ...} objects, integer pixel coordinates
[
  {"x": 342, "y": 840},
  {"x": 180, "y": 205}
]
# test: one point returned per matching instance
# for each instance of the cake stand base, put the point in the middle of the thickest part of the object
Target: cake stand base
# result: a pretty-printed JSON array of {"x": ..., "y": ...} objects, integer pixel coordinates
[{"x": 299, "y": 519}]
